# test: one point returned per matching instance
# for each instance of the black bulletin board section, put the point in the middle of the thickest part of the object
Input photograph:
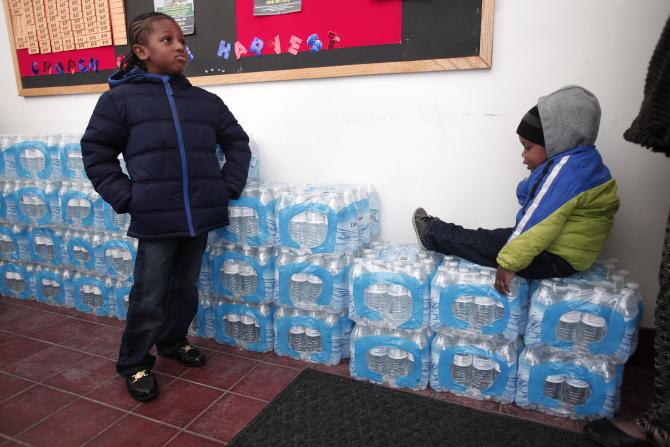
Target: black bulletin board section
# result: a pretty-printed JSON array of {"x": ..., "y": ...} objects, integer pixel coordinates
[{"x": 439, "y": 31}]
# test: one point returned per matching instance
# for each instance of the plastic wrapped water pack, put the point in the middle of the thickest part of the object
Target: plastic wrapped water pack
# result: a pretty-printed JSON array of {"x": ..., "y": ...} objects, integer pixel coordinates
[
  {"x": 475, "y": 366},
  {"x": 597, "y": 317},
  {"x": 324, "y": 219},
  {"x": 568, "y": 384},
  {"x": 245, "y": 325},
  {"x": 42, "y": 157},
  {"x": 16, "y": 280},
  {"x": 252, "y": 216},
  {"x": 14, "y": 242},
  {"x": 463, "y": 297},
  {"x": 312, "y": 281},
  {"x": 31, "y": 202},
  {"x": 392, "y": 288},
  {"x": 254, "y": 173},
  {"x": 312, "y": 336},
  {"x": 31, "y": 156},
  {"x": 397, "y": 357},
  {"x": 245, "y": 274},
  {"x": 102, "y": 253}
]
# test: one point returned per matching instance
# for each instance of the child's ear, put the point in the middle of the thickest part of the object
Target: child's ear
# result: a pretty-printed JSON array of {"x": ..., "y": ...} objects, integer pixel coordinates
[{"x": 141, "y": 52}]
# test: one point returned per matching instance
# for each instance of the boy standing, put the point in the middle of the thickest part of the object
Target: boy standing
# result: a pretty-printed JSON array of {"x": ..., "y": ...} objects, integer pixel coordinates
[{"x": 567, "y": 202}]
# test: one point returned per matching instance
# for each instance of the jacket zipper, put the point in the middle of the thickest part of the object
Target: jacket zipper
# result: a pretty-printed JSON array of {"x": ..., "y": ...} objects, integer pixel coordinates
[{"x": 182, "y": 154}]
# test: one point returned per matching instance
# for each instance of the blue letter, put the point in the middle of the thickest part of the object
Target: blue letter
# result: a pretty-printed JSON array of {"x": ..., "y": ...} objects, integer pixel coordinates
[
  {"x": 224, "y": 49},
  {"x": 256, "y": 46}
]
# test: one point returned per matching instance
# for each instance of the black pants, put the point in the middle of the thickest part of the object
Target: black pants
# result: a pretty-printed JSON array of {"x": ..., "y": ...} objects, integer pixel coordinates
[
  {"x": 482, "y": 246},
  {"x": 162, "y": 301}
]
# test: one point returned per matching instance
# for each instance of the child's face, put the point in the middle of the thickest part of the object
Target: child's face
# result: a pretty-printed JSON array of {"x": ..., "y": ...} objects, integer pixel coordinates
[
  {"x": 165, "y": 49},
  {"x": 533, "y": 154}
]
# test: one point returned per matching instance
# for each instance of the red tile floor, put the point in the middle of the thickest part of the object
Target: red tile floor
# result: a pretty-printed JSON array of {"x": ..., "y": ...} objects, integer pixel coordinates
[{"x": 58, "y": 387}]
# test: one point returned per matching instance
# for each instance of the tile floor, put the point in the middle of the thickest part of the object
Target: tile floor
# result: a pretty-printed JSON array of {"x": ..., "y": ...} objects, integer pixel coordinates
[{"x": 58, "y": 387}]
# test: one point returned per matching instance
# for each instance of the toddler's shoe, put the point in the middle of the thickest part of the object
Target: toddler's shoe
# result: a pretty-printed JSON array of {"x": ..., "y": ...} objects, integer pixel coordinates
[
  {"x": 185, "y": 354},
  {"x": 421, "y": 222},
  {"x": 142, "y": 385}
]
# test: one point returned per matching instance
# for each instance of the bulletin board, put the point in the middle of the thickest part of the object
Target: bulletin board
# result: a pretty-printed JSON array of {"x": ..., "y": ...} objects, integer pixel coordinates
[{"x": 73, "y": 46}]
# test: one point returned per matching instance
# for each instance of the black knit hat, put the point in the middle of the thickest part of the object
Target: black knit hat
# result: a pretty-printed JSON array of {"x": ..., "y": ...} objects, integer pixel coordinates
[{"x": 530, "y": 127}]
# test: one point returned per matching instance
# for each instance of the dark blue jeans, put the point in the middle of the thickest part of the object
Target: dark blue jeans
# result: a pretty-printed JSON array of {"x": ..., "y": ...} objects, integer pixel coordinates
[
  {"x": 162, "y": 301},
  {"x": 482, "y": 246}
]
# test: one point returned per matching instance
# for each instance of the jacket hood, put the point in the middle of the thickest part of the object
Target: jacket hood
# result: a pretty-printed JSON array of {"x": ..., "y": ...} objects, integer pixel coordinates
[
  {"x": 570, "y": 118},
  {"x": 138, "y": 75}
]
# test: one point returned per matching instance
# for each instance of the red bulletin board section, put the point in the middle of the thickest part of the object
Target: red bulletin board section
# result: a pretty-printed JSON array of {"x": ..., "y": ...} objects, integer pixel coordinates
[
  {"x": 105, "y": 55},
  {"x": 359, "y": 23}
]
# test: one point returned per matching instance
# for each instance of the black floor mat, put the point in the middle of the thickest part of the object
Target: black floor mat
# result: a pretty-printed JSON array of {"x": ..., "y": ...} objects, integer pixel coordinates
[{"x": 319, "y": 409}]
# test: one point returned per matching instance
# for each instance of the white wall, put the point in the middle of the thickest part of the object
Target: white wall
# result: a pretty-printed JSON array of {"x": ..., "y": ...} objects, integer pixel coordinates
[{"x": 447, "y": 141}]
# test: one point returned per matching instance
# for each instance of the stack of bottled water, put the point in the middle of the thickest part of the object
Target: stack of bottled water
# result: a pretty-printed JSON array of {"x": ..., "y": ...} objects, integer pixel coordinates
[
  {"x": 463, "y": 297},
  {"x": 245, "y": 325},
  {"x": 319, "y": 227},
  {"x": 312, "y": 281},
  {"x": 237, "y": 282},
  {"x": 568, "y": 384},
  {"x": 326, "y": 219},
  {"x": 397, "y": 357},
  {"x": 580, "y": 331},
  {"x": 312, "y": 336},
  {"x": 476, "y": 349},
  {"x": 480, "y": 367},
  {"x": 63, "y": 245},
  {"x": 389, "y": 288}
]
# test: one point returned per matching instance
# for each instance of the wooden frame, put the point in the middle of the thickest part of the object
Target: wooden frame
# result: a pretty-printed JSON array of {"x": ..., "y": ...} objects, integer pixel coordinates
[{"x": 483, "y": 60}]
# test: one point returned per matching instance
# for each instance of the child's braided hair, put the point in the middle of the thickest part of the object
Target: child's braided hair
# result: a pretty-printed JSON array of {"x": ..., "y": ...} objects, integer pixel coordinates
[{"x": 138, "y": 30}]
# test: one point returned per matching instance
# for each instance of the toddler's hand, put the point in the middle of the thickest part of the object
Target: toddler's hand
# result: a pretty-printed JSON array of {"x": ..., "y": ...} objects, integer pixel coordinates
[{"x": 503, "y": 280}]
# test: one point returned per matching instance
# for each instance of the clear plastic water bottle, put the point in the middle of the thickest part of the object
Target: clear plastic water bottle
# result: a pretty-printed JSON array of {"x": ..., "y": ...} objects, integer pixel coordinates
[
  {"x": 249, "y": 329},
  {"x": 248, "y": 279},
  {"x": 483, "y": 372},
  {"x": 235, "y": 220},
  {"x": 461, "y": 369},
  {"x": 297, "y": 339},
  {"x": 231, "y": 276},
  {"x": 297, "y": 288},
  {"x": 376, "y": 359},
  {"x": 462, "y": 308},
  {"x": 249, "y": 222},
  {"x": 376, "y": 297},
  {"x": 576, "y": 391},
  {"x": 314, "y": 285},
  {"x": 316, "y": 225},
  {"x": 297, "y": 226},
  {"x": 398, "y": 299},
  {"x": 553, "y": 386},
  {"x": 398, "y": 362},
  {"x": 234, "y": 326},
  {"x": 568, "y": 323},
  {"x": 593, "y": 327},
  {"x": 313, "y": 340},
  {"x": 485, "y": 310}
]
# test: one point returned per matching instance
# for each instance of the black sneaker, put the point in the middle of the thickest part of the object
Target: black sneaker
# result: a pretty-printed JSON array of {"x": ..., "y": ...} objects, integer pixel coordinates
[
  {"x": 185, "y": 354},
  {"x": 142, "y": 385},
  {"x": 421, "y": 221}
]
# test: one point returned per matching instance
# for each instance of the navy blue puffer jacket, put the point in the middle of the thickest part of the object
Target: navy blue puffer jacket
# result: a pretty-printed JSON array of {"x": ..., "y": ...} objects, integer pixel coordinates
[{"x": 167, "y": 131}]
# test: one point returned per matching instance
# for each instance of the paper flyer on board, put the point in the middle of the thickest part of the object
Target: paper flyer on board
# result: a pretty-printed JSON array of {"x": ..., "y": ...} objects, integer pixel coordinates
[
  {"x": 180, "y": 10},
  {"x": 274, "y": 7}
]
